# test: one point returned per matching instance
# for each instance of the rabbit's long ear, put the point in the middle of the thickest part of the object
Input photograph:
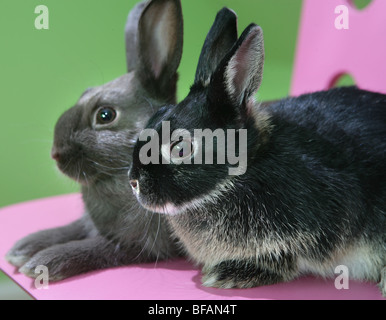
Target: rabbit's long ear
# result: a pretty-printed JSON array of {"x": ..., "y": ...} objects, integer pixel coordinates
[
  {"x": 160, "y": 40},
  {"x": 131, "y": 35},
  {"x": 239, "y": 75},
  {"x": 220, "y": 39}
]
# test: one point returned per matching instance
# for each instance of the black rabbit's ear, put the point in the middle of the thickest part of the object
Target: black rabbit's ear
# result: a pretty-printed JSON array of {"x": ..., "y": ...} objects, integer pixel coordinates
[
  {"x": 160, "y": 40},
  {"x": 131, "y": 35},
  {"x": 220, "y": 39},
  {"x": 239, "y": 75}
]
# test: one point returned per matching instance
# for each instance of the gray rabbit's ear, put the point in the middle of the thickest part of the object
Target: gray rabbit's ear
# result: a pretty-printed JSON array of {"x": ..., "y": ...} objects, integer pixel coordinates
[
  {"x": 131, "y": 35},
  {"x": 239, "y": 75},
  {"x": 160, "y": 40},
  {"x": 220, "y": 39}
]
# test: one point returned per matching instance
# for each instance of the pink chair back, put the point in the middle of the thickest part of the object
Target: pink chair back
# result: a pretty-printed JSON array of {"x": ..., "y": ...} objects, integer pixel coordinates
[{"x": 326, "y": 50}]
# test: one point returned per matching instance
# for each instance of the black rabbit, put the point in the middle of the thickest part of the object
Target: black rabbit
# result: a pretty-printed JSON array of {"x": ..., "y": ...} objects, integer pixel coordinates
[
  {"x": 309, "y": 190},
  {"x": 93, "y": 145}
]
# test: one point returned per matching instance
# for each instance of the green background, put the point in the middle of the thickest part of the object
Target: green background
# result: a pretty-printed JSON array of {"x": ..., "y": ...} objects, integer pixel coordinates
[{"x": 43, "y": 72}]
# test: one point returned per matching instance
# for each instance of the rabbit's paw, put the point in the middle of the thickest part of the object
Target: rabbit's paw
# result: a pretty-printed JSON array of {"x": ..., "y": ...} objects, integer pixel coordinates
[
  {"x": 56, "y": 263},
  {"x": 27, "y": 247},
  {"x": 16, "y": 258},
  {"x": 217, "y": 279},
  {"x": 73, "y": 258},
  {"x": 63, "y": 261},
  {"x": 238, "y": 274},
  {"x": 24, "y": 249}
]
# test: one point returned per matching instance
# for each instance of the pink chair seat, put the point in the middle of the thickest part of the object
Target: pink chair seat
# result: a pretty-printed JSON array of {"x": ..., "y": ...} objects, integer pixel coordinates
[{"x": 172, "y": 280}]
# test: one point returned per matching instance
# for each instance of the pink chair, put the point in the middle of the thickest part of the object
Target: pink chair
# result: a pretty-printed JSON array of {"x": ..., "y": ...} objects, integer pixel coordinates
[
  {"x": 173, "y": 280},
  {"x": 323, "y": 54}
]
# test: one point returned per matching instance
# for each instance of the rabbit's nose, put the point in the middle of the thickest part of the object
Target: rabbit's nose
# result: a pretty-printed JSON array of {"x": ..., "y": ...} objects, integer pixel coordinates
[
  {"x": 55, "y": 154},
  {"x": 135, "y": 185}
]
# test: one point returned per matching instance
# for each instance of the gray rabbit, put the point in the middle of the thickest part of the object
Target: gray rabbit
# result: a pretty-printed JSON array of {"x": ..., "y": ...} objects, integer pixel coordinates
[{"x": 93, "y": 144}]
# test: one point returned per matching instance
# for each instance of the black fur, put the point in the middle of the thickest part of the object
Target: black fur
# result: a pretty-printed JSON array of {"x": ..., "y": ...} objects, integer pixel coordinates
[
  {"x": 221, "y": 38},
  {"x": 314, "y": 193}
]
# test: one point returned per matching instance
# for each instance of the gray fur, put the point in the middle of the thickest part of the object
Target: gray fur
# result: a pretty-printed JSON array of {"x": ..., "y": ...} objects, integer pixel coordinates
[
  {"x": 114, "y": 229},
  {"x": 131, "y": 35}
]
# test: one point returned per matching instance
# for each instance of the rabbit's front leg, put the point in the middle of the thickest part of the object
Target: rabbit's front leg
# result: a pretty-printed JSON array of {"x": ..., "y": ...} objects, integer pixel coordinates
[
  {"x": 248, "y": 273},
  {"x": 28, "y": 246},
  {"x": 77, "y": 257}
]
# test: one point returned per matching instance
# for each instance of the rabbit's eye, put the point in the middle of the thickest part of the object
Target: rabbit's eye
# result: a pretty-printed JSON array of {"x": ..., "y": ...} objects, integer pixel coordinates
[
  {"x": 105, "y": 115},
  {"x": 181, "y": 150}
]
